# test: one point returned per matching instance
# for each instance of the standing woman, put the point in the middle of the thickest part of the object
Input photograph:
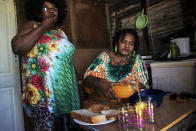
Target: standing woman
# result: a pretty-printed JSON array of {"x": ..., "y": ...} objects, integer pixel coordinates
[{"x": 49, "y": 82}]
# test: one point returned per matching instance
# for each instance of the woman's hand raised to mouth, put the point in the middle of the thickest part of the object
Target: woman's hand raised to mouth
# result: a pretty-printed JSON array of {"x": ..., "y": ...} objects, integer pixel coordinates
[{"x": 49, "y": 21}]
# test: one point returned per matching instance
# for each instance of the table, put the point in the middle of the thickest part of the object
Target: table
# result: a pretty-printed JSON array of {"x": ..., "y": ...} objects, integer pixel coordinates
[{"x": 167, "y": 116}]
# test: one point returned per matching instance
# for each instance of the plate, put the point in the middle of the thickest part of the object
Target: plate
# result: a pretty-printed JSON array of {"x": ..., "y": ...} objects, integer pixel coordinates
[{"x": 90, "y": 124}]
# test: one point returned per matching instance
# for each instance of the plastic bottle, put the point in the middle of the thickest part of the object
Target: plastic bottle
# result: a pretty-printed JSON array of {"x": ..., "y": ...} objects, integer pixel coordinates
[{"x": 174, "y": 49}]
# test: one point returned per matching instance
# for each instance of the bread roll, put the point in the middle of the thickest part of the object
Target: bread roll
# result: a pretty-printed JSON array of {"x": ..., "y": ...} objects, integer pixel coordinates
[
  {"x": 83, "y": 115},
  {"x": 110, "y": 114},
  {"x": 97, "y": 108},
  {"x": 99, "y": 119}
]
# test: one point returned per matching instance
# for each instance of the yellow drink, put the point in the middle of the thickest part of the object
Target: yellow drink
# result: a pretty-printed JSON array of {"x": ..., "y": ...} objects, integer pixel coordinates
[
  {"x": 140, "y": 106},
  {"x": 139, "y": 96}
]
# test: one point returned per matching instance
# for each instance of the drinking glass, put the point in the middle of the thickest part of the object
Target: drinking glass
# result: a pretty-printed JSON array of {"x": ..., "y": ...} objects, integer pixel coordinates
[
  {"x": 152, "y": 107},
  {"x": 140, "y": 112},
  {"x": 123, "y": 119},
  {"x": 131, "y": 114}
]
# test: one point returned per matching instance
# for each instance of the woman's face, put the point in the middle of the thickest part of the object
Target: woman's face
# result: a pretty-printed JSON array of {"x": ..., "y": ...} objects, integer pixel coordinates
[
  {"x": 49, "y": 10},
  {"x": 126, "y": 45}
]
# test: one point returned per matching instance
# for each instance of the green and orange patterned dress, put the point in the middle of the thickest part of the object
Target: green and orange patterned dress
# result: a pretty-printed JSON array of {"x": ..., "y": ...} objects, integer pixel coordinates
[
  {"x": 106, "y": 68},
  {"x": 49, "y": 76}
]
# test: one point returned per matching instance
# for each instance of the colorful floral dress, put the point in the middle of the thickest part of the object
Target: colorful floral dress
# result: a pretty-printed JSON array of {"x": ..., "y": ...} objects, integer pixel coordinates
[{"x": 49, "y": 76}]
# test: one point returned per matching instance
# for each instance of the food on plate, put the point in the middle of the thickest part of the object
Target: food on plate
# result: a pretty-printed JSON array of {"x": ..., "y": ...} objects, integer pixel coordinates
[
  {"x": 83, "y": 115},
  {"x": 111, "y": 114},
  {"x": 97, "y": 108},
  {"x": 92, "y": 117},
  {"x": 88, "y": 116},
  {"x": 99, "y": 119}
]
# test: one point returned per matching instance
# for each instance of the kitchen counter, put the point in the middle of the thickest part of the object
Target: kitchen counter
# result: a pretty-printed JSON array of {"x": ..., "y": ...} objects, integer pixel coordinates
[
  {"x": 167, "y": 117},
  {"x": 174, "y": 76},
  {"x": 193, "y": 56},
  {"x": 174, "y": 64}
]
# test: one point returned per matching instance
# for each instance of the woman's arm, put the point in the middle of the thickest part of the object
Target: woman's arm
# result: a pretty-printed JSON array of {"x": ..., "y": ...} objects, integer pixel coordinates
[
  {"x": 141, "y": 73},
  {"x": 25, "y": 40},
  {"x": 106, "y": 87},
  {"x": 92, "y": 81}
]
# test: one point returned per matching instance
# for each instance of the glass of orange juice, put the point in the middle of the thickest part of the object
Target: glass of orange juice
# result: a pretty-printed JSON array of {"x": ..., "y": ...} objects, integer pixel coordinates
[{"x": 140, "y": 106}]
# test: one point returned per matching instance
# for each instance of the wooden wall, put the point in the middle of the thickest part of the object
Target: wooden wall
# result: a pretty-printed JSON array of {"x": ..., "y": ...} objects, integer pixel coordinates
[
  {"x": 166, "y": 19},
  {"x": 89, "y": 24}
]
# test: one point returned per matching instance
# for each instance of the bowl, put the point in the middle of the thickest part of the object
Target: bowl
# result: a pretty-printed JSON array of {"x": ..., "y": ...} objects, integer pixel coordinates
[
  {"x": 156, "y": 96},
  {"x": 123, "y": 90}
]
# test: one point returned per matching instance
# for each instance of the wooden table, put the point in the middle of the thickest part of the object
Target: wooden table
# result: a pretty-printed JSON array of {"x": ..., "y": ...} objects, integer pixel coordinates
[{"x": 167, "y": 116}]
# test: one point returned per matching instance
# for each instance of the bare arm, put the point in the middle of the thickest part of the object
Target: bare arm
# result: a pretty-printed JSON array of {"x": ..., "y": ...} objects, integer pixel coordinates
[
  {"x": 106, "y": 87},
  {"x": 25, "y": 40},
  {"x": 92, "y": 81}
]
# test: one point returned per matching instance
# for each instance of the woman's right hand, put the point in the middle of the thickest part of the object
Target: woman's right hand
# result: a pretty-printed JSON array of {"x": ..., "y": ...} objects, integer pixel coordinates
[
  {"x": 106, "y": 88},
  {"x": 49, "y": 21},
  {"x": 25, "y": 40}
]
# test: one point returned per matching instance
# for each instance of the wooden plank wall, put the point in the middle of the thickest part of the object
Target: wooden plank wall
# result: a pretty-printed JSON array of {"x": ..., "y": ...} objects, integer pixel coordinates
[
  {"x": 89, "y": 27},
  {"x": 165, "y": 17}
]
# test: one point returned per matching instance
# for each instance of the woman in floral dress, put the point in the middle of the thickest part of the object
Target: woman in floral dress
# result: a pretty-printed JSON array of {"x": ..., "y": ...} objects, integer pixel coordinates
[
  {"x": 121, "y": 65},
  {"x": 49, "y": 82}
]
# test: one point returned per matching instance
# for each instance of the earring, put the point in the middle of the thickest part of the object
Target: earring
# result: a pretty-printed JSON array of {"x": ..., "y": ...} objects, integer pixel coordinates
[
  {"x": 115, "y": 49},
  {"x": 132, "y": 53}
]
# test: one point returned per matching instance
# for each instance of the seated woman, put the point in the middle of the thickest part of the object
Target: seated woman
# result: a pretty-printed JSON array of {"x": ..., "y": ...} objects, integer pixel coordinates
[{"x": 121, "y": 65}]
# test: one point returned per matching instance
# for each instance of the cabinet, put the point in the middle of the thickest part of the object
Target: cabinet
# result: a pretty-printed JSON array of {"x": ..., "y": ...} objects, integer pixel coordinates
[
  {"x": 187, "y": 124},
  {"x": 175, "y": 76}
]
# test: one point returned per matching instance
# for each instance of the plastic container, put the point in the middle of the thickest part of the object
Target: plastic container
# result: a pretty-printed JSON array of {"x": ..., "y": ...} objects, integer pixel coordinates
[
  {"x": 124, "y": 90},
  {"x": 175, "y": 52},
  {"x": 156, "y": 96},
  {"x": 184, "y": 46}
]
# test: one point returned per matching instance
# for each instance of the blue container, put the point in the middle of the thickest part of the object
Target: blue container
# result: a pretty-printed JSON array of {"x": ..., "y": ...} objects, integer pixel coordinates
[{"x": 155, "y": 94}]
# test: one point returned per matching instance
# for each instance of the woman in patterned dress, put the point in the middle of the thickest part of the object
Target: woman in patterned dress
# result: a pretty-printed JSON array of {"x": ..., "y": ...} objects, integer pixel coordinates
[
  {"x": 49, "y": 83},
  {"x": 118, "y": 66}
]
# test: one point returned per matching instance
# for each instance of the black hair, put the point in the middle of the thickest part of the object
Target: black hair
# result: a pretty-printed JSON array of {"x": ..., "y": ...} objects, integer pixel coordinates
[
  {"x": 120, "y": 34},
  {"x": 33, "y": 9}
]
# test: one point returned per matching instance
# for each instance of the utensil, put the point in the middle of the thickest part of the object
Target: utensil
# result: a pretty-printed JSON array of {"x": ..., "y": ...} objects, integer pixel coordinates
[{"x": 142, "y": 20}]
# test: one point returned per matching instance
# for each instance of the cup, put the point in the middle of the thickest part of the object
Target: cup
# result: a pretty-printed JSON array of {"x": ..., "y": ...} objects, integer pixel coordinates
[
  {"x": 140, "y": 106},
  {"x": 124, "y": 118},
  {"x": 140, "y": 115},
  {"x": 152, "y": 107},
  {"x": 131, "y": 114},
  {"x": 140, "y": 120}
]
